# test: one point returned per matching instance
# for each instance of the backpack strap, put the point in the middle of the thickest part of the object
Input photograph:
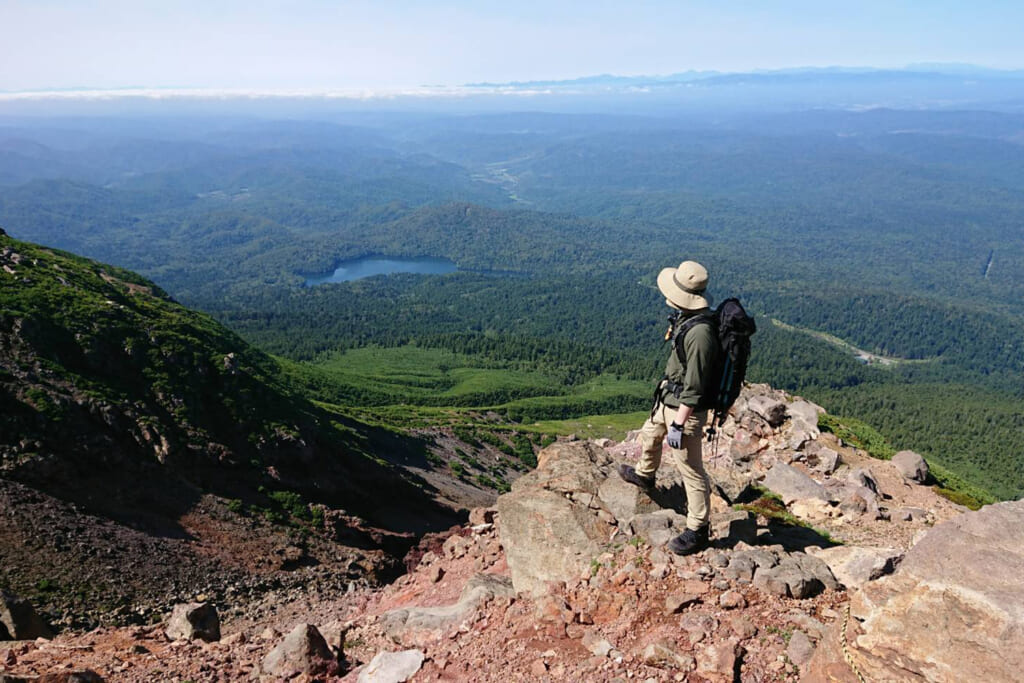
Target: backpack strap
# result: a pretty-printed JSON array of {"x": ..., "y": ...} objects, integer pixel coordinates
[
  {"x": 667, "y": 386},
  {"x": 679, "y": 334}
]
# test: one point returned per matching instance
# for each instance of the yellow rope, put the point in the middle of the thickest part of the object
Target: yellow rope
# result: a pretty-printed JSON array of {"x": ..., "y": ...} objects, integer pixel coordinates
[{"x": 846, "y": 648}]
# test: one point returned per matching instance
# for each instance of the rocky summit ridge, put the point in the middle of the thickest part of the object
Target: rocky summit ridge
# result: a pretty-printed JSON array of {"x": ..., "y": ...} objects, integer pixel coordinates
[{"x": 851, "y": 569}]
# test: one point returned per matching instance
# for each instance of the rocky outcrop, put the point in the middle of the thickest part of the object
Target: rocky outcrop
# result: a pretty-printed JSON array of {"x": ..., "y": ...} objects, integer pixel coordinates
[
  {"x": 392, "y": 667},
  {"x": 953, "y": 610},
  {"x": 792, "y": 484},
  {"x": 625, "y": 501},
  {"x": 771, "y": 409},
  {"x": 19, "y": 620},
  {"x": 658, "y": 528},
  {"x": 420, "y": 625},
  {"x": 757, "y": 605},
  {"x": 194, "y": 621},
  {"x": 912, "y": 466},
  {"x": 794, "y": 575},
  {"x": 304, "y": 650},
  {"x": 553, "y": 522},
  {"x": 553, "y": 531},
  {"x": 854, "y": 566}
]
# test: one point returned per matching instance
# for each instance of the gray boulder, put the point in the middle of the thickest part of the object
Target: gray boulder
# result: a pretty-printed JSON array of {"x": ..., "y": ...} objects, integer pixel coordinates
[
  {"x": 853, "y": 566},
  {"x": 734, "y": 526},
  {"x": 806, "y": 413},
  {"x": 420, "y": 625},
  {"x": 743, "y": 446},
  {"x": 787, "y": 581},
  {"x": 862, "y": 477},
  {"x": 303, "y": 650},
  {"x": 800, "y": 648},
  {"x": 547, "y": 538},
  {"x": 800, "y": 436},
  {"x": 624, "y": 500},
  {"x": 194, "y": 621},
  {"x": 392, "y": 667},
  {"x": 860, "y": 501},
  {"x": 760, "y": 558},
  {"x": 769, "y": 408},
  {"x": 797, "y": 575},
  {"x": 731, "y": 483},
  {"x": 657, "y": 528},
  {"x": 803, "y": 425},
  {"x": 548, "y": 533},
  {"x": 911, "y": 465},
  {"x": 740, "y": 567},
  {"x": 666, "y": 654},
  {"x": 19, "y": 620},
  {"x": 824, "y": 460},
  {"x": 791, "y": 484}
]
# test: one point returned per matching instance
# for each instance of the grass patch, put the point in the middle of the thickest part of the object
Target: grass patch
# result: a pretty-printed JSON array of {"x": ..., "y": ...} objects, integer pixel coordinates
[
  {"x": 605, "y": 394},
  {"x": 858, "y": 434},
  {"x": 613, "y": 426},
  {"x": 785, "y": 633},
  {"x": 957, "y": 490},
  {"x": 410, "y": 386},
  {"x": 418, "y": 376}
]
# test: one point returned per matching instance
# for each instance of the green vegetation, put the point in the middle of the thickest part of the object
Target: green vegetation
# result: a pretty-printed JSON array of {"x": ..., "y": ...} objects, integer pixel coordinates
[
  {"x": 785, "y": 633},
  {"x": 118, "y": 338},
  {"x": 499, "y": 485},
  {"x": 859, "y": 434},
  {"x": 110, "y": 369},
  {"x": 956, "y": 489},
  {"x": 972, "y": 432},
  {"x": 292, "y": 503},
  {"x": 865, "y": 437},
  {"x": 613, "y": 426},
  {"x": 841, "y": 229},
  {"x": 771, "y": 507}
]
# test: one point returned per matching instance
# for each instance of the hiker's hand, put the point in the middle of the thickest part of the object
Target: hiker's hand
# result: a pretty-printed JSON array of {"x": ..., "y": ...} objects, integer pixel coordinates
[{"x": 675, "y": 436}]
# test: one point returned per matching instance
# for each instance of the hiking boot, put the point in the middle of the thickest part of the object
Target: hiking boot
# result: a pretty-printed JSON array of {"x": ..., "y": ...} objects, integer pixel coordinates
[
  {"x": 628, "y": 473},
  {"x": 690, "y": 541}
]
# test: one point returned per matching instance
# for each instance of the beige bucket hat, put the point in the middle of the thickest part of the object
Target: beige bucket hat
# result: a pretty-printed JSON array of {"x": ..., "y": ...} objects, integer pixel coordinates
[{"x": 684, "y": 286}]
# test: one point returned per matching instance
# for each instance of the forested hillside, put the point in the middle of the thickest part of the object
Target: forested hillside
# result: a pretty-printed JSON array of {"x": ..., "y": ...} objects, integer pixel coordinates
[
  {"x": 105, "y": 380},
  {"x": 890, "y": 235}
]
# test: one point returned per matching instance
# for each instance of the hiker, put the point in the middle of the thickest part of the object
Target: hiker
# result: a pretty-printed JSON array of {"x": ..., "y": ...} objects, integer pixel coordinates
[{"x": 681, "y": 403}]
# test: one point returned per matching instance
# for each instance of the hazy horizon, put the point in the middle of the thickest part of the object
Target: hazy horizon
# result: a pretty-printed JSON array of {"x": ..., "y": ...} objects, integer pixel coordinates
[
  {"x": 394, "y": 46},
  {"x": 486, "y": 86}
]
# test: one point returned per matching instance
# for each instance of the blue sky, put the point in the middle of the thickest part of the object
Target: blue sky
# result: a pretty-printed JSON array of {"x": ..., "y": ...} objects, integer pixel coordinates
[{"x": 401, "y": 43}]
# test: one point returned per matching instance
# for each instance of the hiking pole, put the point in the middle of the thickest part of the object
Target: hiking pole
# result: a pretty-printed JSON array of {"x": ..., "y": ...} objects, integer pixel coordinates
[{"x": 713, "y": 438}]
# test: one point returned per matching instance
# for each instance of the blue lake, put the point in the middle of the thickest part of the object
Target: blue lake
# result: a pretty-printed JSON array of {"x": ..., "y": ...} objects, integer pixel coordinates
[{"x": 369, "y": 266}]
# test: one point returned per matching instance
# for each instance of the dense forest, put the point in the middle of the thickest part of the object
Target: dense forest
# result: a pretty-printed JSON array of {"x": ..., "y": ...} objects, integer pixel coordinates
[{"x": 895, "y": 234}]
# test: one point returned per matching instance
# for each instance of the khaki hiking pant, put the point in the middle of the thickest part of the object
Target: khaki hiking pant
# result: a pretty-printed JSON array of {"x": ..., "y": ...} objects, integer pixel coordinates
[{"x": 688, "y": 459}]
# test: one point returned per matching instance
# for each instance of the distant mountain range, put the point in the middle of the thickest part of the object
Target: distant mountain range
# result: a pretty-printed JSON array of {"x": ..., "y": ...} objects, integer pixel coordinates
[
  {"x": 923, "y": 70},
  {"x": 950, "y": 79}
]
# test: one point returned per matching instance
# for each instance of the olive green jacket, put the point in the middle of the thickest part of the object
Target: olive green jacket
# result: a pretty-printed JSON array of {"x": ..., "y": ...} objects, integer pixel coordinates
[{"x": 694, "y": 373}]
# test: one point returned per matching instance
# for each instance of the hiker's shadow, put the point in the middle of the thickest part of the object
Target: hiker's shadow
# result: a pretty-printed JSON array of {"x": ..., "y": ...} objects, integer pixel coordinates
[
  {"x": 793, "y": 538},
  {"x": 671, "y": 497}
]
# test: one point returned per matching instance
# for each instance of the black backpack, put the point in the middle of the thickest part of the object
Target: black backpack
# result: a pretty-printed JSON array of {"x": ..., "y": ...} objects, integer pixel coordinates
[{"x": 734, "y": 329}]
